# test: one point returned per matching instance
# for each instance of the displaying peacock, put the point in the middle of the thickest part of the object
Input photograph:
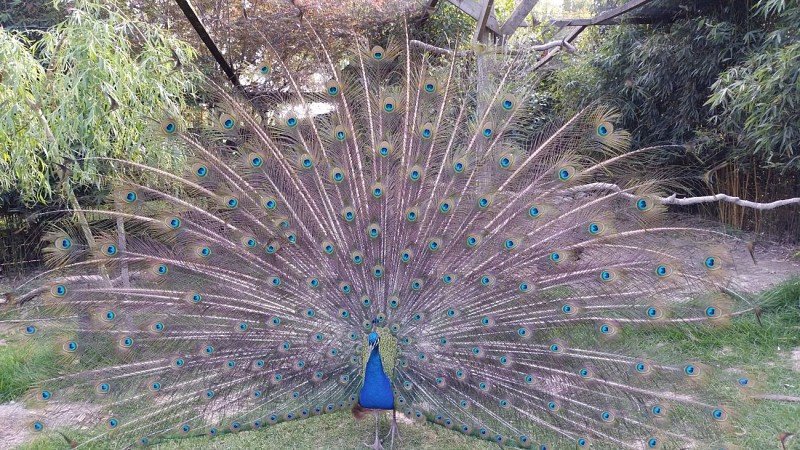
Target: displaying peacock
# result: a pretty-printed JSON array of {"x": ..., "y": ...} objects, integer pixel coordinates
[{"x": 396, "y": 242}]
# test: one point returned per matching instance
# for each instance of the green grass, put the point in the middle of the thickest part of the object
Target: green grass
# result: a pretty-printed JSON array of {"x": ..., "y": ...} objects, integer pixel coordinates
[
  {"x": 338, "y": 430},
  {"x": 743, "y": 346},
  {"x": 21, "y": 365}
]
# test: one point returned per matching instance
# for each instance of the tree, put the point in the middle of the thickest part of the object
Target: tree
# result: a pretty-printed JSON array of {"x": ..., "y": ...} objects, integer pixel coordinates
[{"x": 95, "y": 85}]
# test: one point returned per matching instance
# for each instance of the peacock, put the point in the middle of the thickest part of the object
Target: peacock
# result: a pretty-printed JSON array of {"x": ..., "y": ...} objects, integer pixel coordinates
[{"x": 391, "y": 241}]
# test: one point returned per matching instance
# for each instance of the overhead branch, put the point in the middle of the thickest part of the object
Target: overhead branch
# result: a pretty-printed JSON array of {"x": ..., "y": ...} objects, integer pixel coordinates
[
  {"x": 198, "y": 26},
  {"x": 608, "y": 15},
  {"x": 446, "y": 51}
]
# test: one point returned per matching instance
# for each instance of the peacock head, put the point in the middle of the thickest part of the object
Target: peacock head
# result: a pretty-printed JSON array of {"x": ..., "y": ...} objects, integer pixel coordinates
[{"x": 374, "y": 338}]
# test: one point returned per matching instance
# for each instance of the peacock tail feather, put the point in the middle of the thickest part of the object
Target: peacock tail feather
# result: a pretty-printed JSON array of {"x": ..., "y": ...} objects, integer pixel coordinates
[{"x": 503, "y": 273}]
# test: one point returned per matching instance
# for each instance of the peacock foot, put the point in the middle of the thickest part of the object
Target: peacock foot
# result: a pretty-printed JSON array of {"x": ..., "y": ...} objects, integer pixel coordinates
[
  {"x": 393, "y": 431},
  {"x": 377, "y": 444}
]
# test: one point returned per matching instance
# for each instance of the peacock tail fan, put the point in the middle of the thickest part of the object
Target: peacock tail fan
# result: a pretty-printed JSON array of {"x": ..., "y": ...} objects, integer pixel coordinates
[{"x": 504, "y": 274}]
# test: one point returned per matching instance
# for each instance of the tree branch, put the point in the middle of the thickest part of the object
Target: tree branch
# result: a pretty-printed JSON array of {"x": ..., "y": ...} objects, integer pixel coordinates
[
  {"x": 674, "y": 200},
  {"x": 445, "y": 51}
]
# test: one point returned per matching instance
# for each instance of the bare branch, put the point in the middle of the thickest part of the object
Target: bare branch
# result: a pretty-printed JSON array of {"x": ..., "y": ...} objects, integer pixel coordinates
[
  {"x": 445, "y": 51},
  {"x": 439, "y": 50},
  {"x": 674, "y": 200},
  {"x": 777, "y": 397}
]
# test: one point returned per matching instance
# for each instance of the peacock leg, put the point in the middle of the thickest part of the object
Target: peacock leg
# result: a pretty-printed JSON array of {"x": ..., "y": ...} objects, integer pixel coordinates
[
  {"x": 393, "y": 430},
  {"x": 377, "y": 444}
]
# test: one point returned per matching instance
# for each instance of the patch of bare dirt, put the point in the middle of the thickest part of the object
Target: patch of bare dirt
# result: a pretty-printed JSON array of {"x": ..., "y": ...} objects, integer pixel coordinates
[{"x": 16, "y": 419}]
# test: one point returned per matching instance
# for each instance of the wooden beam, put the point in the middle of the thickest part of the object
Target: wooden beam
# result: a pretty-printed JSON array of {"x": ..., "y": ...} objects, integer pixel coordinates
[
  {"x": 596, "y": 20},
  {"x": 615, "y": 21},
  {"x": 188, "y": 11},
  {"x": 480, "y": 31},
  {"x": 517, "y": 17},
  {"x": 618, "y": 11},
  {"x": 473, "y": 8}
]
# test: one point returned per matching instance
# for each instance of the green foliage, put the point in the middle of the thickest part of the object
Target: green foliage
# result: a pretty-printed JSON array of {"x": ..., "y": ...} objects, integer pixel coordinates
[
  {"x": 92, "y": 86},
  {"x": 728, "y": 78},
  {"x": 757, "y": 102},
  {"x": 660, "y": 79}
]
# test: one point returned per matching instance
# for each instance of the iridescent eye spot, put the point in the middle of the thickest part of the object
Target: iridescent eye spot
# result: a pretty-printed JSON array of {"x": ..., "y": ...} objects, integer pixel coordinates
[
  {"x": 505, "y": 162},
  {"x": 606, "y": 275},
  {"x": 596, "y": 228},
  {"x": 691, "y": 370},
  {"x": 711, "y": 263},
  {"x": 555, "y": 257},
  {"x": 719, "y": 415},
  {"x": 228, "y": 123},
  {"x": 179, "y": 362},
  {"x": 524, "y": 287},
  {"x": 447, "y": 279},
  {"x": 663, "y": 271},
  {"x": 232, "y": 202},
  {"x": 256, "y": 161},
  {"x": 508, "y": 104},
  {"x": 109, "y": 315},
  {"x": 30, "y": 329},
  {"x": 201, "y": 171},
  {"x": 712, "y": 312},
  {"x": 487, "y": 132},
  {"x": 652, "y": 443},
  {"x": 174, "y": 223},
  {"x": 388, "y": 107},
  {"x": 130, "y": 197},
  {"x": 264, "y": 69},
  {"x": 111, "y": 250},
  {"x": 654, "y": 313},
  {"x": 642, "y": 204},
  {"x": 426, "y": 133},
  {"x": 522, "y": 332},
  {"x": 458, "y": 167},
  {"x": 64, "y": 243},
  {"x": 333, "y": 90},
  {"x": 307, "y": 163},
  {"x": 291, "y": 122},
  {"x": 602, "y": 130},
  {"x": 270, "y": 204},
  {"x": 534, "y": 211},
  {"x": 564, "y": 174},
  {"x": 430, "y": 87},
  {"x": 170, "y": 127},
  {"x": 71, "y": 347},
  {"x": 657, "y": 410}
]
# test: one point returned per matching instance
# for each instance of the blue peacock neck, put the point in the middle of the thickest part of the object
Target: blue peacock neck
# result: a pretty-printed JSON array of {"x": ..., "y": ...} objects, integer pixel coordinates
[{"x": 377, "y": 390}]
